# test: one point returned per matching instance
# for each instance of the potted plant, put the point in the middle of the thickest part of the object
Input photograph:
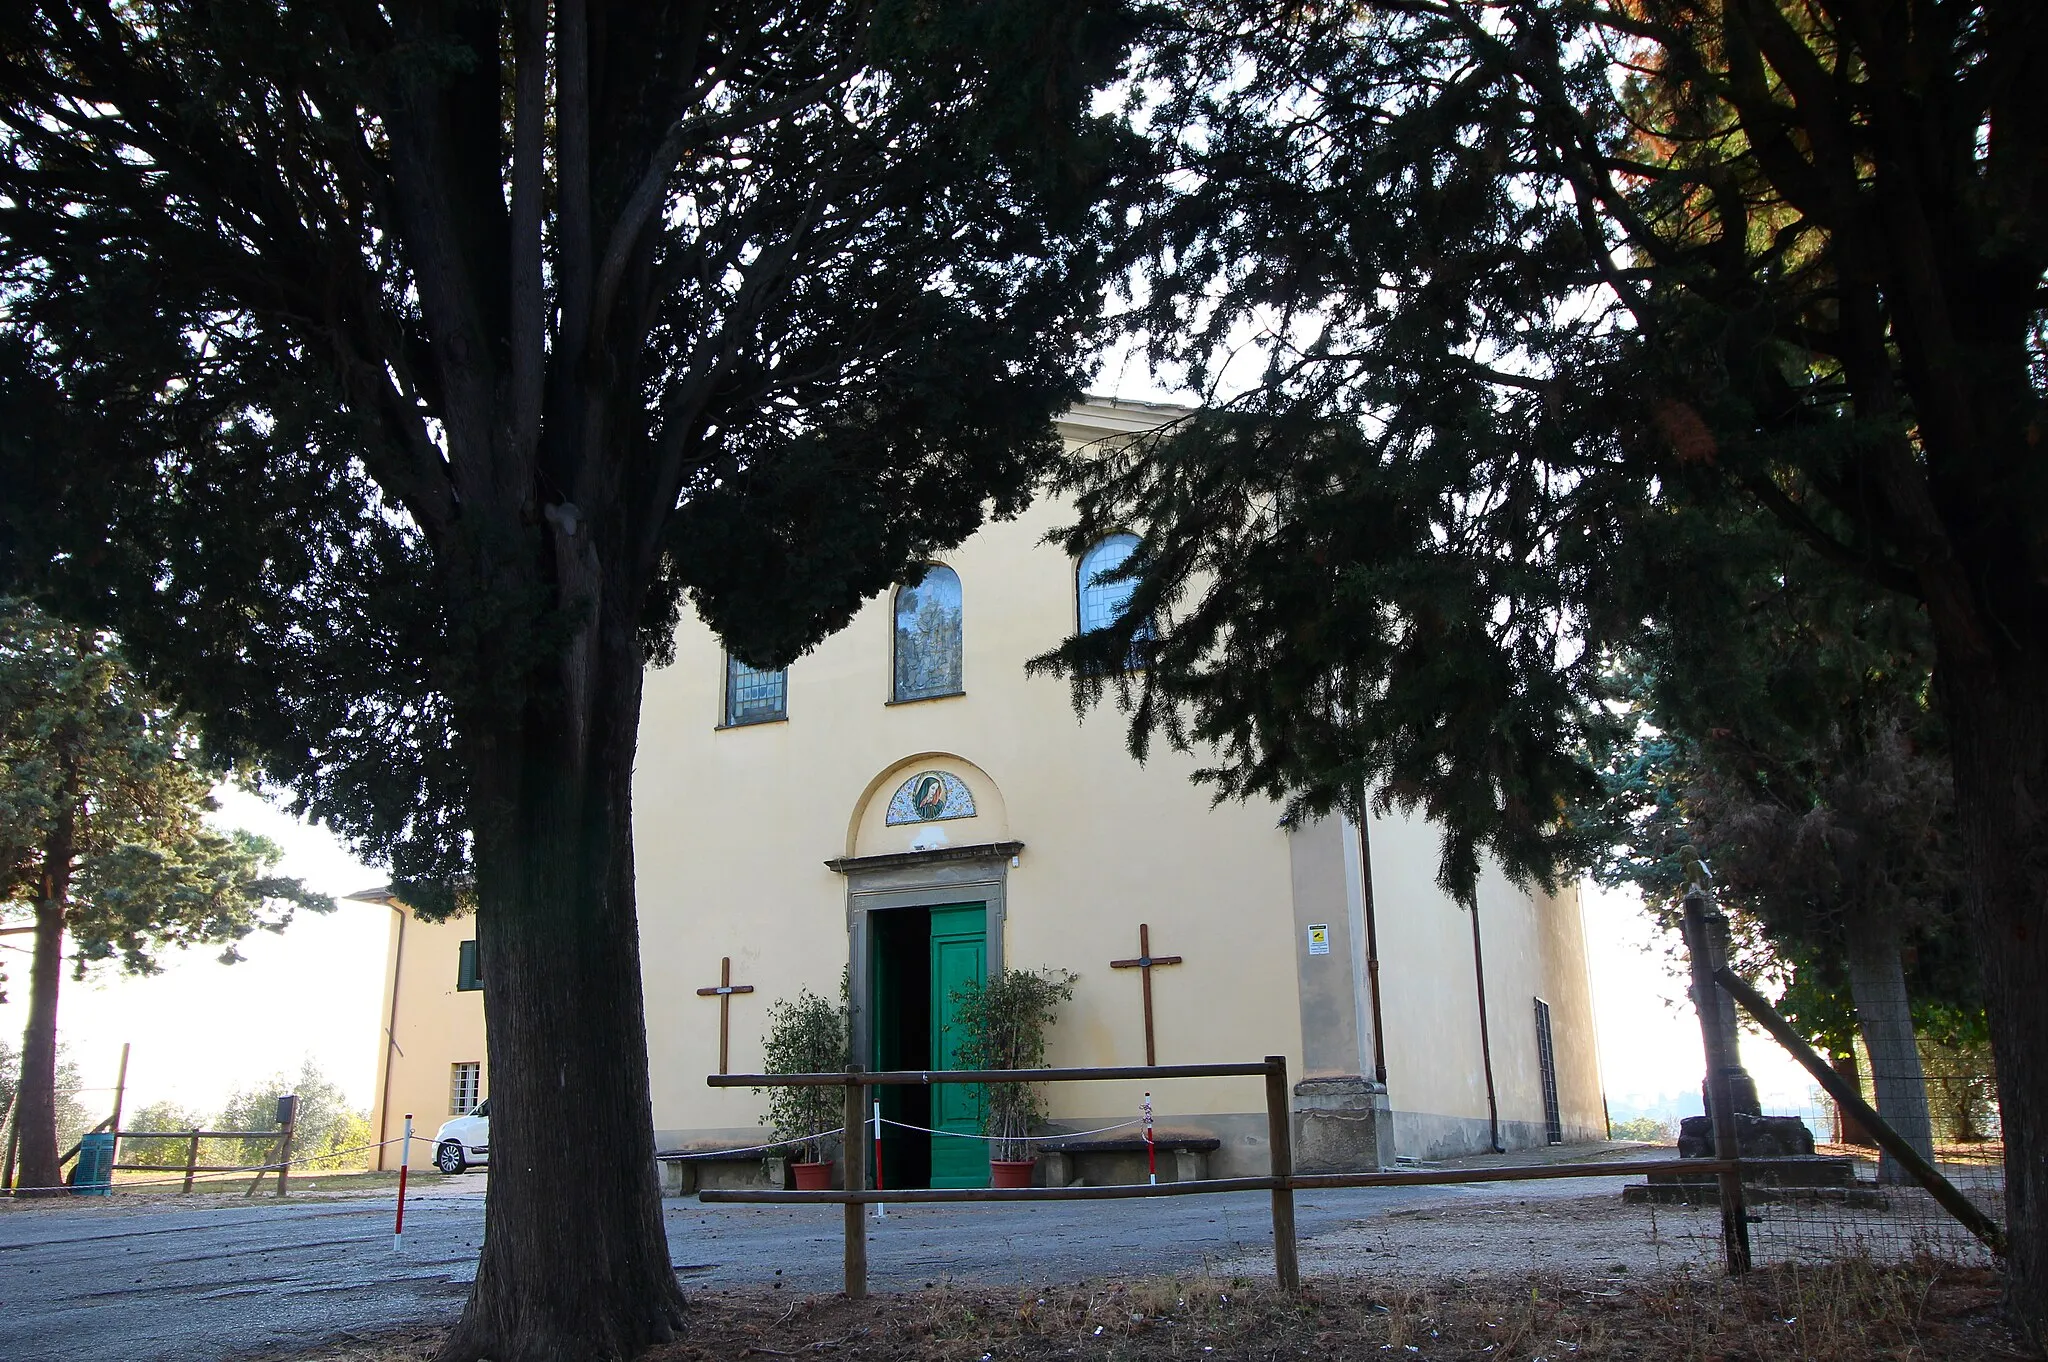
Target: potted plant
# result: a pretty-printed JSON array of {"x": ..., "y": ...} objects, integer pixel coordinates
[
  {"x": 808, "y": 1035},
  {"x": 1005, "y": 1017}
]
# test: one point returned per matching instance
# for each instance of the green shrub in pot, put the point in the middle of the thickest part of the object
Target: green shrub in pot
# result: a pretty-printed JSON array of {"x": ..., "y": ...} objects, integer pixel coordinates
[
  {"x": 1006, "y": 1017},
  {"x": 807, "y": 1035}
]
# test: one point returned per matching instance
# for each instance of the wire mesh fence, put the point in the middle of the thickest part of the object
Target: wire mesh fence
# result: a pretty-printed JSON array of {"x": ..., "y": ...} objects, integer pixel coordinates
[{"x": 1856, "y": 1201}]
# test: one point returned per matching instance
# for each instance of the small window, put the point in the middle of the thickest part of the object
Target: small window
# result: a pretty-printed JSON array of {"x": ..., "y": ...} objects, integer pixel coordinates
[
  {"x": 469, "y": 970},
  {"x": 928, "y": 617},
  {"x": 464, "y": 1081},
  {"x": 1101, "y": 602},
  {"x": 754, "y": 696}
]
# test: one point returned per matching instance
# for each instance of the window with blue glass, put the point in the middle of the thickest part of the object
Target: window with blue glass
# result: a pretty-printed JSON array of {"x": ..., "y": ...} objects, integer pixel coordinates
[
  {"x": 928, "y": 618},
  {"x": 1102, "y": 601},
  {"x": 754, "y": 695}
]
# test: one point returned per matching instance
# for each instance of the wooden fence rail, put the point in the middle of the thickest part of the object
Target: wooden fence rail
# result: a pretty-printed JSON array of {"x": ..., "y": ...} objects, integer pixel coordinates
[
  {"x": 1282, "y": 1182},
  {"x": 856, "y": 1081}
]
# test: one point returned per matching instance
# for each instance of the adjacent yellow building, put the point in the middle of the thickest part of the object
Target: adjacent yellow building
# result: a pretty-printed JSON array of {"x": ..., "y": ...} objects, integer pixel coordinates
[{"x": 907, "y": 806}]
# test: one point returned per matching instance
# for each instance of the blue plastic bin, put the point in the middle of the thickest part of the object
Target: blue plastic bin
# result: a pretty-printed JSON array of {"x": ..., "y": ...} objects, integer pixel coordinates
[{"x": 95, "y": 1173}]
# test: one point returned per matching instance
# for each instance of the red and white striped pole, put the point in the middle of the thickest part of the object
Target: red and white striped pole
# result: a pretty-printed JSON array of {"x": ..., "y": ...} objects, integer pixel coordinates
[
  {"x": 881, "y": 1211},
  {"x": 404, "y": 1163},
  {"x": 1151, "y": 1150}
]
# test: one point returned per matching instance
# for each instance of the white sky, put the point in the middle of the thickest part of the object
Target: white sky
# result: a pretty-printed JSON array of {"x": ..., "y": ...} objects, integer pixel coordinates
[{"x": 201, "y": 1029}]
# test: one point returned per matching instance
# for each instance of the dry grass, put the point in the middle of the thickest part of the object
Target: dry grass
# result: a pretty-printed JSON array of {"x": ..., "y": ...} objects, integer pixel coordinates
[{"x": 1839, "y": 1313}]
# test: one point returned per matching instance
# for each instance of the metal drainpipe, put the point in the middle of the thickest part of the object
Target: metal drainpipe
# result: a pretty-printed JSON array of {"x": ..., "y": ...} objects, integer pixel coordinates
[
  {"x": 390, "y": 1033},
  {"x": 1485, "y": 1037},
  {"x": 1372, "y": 949}
]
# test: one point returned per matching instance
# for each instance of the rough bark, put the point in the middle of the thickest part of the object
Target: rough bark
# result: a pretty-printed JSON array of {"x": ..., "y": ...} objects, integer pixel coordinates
[
  {"x": 1884, "y": 1013},
  {"x": 1849, "y": 1130},
  {"x": 36, "y": 1104},
  {"x": 1999, "y": 730},
  {"x": 576, "y": 1268}
]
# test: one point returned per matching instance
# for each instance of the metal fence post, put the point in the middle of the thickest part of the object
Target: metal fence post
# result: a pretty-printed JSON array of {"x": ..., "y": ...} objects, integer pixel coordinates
[
  {"x": 1279, "y": 1132},
  {"x": 850, "y": 1143},
  {"x": 1706, "y": 995}
]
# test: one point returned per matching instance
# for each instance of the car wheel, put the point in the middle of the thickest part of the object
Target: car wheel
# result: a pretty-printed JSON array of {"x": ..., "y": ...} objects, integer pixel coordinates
[{"x": 448, "y": 1158}]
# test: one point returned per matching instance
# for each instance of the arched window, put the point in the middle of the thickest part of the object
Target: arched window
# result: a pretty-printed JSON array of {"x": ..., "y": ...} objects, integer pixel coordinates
[
  {"x": 1102, "y": 601},
  {"x": 928, "y": 636}
]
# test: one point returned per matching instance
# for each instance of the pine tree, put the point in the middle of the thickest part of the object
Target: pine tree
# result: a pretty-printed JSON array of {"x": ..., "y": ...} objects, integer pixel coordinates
[
  {"x": 1784, "y": 727},
  {"x": 102, "y": 807},
  {"x": 393, "y": 376},
  {"x": 1491, "y": 299}
]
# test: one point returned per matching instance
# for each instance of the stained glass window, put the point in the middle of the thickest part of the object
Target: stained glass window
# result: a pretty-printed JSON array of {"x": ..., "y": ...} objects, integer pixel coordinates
[
  {"x": 754, "y": 696},
  {"x": 928, "y": 636},
  {"x": 1101, "y": 602}
]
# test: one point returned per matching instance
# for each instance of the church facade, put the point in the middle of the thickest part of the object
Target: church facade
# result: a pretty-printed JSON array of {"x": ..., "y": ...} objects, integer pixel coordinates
[{"x": 906, "y": 808}]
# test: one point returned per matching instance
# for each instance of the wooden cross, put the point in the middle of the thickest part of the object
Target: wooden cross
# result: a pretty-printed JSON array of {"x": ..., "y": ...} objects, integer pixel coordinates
[
  {"x": 1145, "y": 964},
  {"x": 726, "y": 988}
]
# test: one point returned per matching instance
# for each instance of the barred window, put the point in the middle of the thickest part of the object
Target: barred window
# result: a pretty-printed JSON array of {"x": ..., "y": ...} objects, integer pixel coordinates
[
  {"x": 464, "y": 1081},
  {"x": 928, "y": 618},
  {"x": 754, "y": 695},
  {"x": 1546, "y": 1068}
]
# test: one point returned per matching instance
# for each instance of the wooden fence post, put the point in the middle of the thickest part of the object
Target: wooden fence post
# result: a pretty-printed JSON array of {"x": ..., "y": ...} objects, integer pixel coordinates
[
  {"x": 1851, "y": 1102},
  {"x": 1280, "y": 1133},
  {"x": 191, "y": 1160},
  {"x": 851, "y": 1150},
  {"x": 284, "y": 1151},
  {"x": 1699, "y": 941}
]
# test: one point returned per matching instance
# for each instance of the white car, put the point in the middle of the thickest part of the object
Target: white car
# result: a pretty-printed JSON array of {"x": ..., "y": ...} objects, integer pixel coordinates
[{"x": 464, "y": 1141}]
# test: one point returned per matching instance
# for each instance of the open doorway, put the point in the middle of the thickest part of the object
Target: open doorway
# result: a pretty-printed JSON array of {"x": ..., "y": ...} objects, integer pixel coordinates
[{"x": 920, "y": 957}]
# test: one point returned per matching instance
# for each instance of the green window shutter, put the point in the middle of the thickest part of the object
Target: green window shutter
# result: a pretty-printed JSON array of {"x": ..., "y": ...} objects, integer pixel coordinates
[{"x": 468, "y": 976}]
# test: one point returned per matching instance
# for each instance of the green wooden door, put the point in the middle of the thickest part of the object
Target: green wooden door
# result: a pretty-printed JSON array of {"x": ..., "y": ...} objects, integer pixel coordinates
[{"x": 959, "y": 954}]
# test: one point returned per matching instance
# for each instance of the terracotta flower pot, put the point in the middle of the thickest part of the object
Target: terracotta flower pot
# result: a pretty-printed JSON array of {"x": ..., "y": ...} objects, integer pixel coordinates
[
  {"x": 1011, "y": 1172},
  {"x": 812, "y": 1177}
]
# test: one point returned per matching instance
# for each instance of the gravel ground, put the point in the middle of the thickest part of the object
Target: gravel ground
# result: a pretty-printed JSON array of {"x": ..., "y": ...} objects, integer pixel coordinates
[{"x": 181, "y": 1279}]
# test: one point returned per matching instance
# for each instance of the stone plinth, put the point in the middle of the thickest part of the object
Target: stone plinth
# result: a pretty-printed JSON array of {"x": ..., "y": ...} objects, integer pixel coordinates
[{"x": 1342, "y": 1125}]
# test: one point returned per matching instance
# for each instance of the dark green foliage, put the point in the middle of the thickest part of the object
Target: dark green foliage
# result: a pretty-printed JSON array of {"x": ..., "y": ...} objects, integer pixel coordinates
[
  {"x": 1496, "y": 370},
  {"x": 931, "y": 227},
  {"x": 142, "y": 870},
  {"x": 1784, "y": 726},
  {"x": 1514, "y": 318},
  {"x": 391, "y": 376},
  {"x": 1005, "y": 1017},
  {"x": 806, "y": 1035}
]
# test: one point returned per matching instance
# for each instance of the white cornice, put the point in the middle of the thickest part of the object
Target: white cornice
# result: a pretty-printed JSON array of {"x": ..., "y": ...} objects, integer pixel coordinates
[{"x": 1097, "y": 417}]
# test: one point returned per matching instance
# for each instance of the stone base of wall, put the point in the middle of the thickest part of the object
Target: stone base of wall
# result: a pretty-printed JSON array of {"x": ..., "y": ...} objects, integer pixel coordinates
[
  {"x": 1342, "y": 1125},
  {"x": 1428, "y": 1136}
]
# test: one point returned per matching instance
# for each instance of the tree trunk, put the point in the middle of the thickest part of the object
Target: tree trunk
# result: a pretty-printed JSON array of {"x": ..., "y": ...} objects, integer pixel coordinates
[
  {"x": 36, "y": 1103},
  {"x": 1849, "y": 1130},
  {"x": 1999, "y": 729},
  {"x": 1877, "y": 981},
  {"x": 575, "y": 1264}
]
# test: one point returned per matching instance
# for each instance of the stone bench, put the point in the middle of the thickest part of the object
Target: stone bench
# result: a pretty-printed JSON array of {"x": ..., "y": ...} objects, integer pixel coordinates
[
  {"x": 1121, "y": 1162},
  {"x": 684, "y": 1172}
]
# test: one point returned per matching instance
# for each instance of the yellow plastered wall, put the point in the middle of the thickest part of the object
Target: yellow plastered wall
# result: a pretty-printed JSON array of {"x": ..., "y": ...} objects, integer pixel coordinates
[
  {"x": 732, "y": 827},
  {"x": 425, "y": 1028},
  {"x": 1533, "y": 947}
]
